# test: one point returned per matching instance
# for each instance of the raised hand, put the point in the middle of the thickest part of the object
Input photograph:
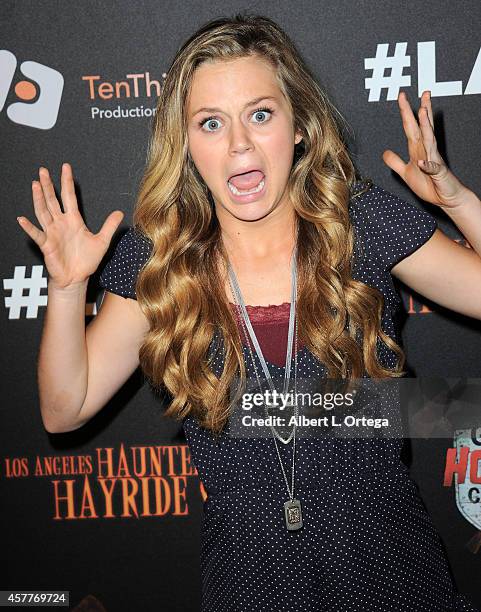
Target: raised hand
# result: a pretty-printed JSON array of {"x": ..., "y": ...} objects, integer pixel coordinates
[
  {"x": 425, "y": 172},
  {"x": 71, "y": 251}
]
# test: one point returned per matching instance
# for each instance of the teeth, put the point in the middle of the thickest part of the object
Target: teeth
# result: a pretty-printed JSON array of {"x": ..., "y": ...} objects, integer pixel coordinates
[{"x": 235, "y": 191}]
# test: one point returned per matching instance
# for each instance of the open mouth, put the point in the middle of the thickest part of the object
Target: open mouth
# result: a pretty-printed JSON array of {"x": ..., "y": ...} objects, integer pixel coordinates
[{"x": 246, "y": 183}]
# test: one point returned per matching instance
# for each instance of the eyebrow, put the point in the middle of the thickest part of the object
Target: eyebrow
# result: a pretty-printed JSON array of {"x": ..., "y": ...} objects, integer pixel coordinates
[{"x": 250, "y": 103}]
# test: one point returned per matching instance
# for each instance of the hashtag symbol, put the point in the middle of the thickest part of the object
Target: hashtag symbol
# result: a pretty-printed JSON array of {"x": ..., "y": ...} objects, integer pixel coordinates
[
  {"x": 382, "y": 62},
  {"x": 17, "y": 285}
]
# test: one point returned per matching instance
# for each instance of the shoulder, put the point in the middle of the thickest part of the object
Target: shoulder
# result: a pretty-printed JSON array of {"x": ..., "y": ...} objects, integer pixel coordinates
[
  {"x": 371, "y": 202},
  {"x": 120, "y": 273},
  {"x": 133, "y": 249},
  {"x": 134, "y": 242},
  {"x": 387, "y": 227}
]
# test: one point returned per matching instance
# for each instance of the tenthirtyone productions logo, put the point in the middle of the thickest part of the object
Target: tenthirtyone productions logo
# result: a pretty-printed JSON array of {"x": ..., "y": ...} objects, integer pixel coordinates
[
  {"x": 462, "y": 463},
  {"x": 132, "y": 86},
  {"x": 40, "y": 96}
]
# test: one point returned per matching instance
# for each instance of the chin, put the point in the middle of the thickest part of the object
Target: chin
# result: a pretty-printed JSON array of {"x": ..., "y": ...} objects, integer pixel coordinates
[{"x": 250, "y": 213}]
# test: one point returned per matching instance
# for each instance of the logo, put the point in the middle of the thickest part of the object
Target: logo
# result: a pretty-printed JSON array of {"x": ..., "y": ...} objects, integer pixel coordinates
[
  {"x": 467, "y": 480},
  {"x": 40, "y": 96},
  {"x": 136, "y": 482},
  {"x": 132, "y": 86},
  {"x": 26, "y": 293},
  {"x": 387, "y": 72}
]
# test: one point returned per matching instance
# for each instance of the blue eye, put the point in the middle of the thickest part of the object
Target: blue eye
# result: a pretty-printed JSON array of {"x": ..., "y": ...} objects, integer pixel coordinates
[
  {"x": 208, "y": 121},
  {"x": 262, "y": 111}
]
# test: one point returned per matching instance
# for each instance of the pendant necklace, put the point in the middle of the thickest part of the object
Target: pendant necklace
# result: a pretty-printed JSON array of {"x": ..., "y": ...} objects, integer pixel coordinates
[{"x": 292, "y": 507}]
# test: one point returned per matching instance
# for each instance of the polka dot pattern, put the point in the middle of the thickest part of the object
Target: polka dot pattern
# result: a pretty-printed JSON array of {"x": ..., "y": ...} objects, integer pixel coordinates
[
  {"x": 368, "y": 543},
  {"x": 120, "y": 273}
]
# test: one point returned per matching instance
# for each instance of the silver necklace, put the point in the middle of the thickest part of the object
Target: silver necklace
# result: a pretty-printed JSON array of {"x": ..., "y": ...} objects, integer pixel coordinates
[
  {"x": 236, "y": 292},
  {"x": 292, "y": 507}
]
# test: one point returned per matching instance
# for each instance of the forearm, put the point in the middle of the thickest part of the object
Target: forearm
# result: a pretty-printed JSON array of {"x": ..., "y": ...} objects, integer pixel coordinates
[
  {"x": 467, "y": 218},
  {"x": 63, "y": 360}
]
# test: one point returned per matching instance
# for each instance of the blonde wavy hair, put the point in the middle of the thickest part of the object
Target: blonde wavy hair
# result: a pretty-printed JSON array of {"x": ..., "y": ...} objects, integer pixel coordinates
[{"x": 181, "y": 287}]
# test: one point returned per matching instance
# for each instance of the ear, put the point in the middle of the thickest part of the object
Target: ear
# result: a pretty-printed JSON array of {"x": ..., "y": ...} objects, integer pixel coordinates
[{"x": 298, "y": 137}]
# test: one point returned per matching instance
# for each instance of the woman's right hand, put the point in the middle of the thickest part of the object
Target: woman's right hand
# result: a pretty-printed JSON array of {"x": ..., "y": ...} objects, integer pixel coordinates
[{"x": 71, "y": 251}]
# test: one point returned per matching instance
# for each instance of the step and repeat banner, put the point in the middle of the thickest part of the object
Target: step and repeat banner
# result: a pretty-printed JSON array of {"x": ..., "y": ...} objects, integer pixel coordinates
[{"x": 112, "y": 512}]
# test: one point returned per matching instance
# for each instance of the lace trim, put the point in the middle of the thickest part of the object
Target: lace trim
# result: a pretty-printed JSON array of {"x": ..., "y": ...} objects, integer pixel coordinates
[{"x": 274, "y": 313}]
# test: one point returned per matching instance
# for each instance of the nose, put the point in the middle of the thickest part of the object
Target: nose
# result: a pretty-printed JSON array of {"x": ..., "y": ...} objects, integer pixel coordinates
[{"x": 240, "y": 140}]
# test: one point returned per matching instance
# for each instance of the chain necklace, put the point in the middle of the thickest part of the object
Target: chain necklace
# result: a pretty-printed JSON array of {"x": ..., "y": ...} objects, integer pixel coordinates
[{"x": 292, "y": 507}]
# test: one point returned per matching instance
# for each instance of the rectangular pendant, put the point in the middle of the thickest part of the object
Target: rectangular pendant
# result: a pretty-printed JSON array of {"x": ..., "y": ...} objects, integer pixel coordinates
[{"x": 293, "y": 514}]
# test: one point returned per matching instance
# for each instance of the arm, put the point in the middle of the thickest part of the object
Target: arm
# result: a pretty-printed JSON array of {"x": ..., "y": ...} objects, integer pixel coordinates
[
  {"x": 113, "y": 341},
  {"x": 62, "y": 359},
  {"x": 441, "y": 270},
  {"x": 78, "y": 369},
  {"x": 446, "y": 273}
]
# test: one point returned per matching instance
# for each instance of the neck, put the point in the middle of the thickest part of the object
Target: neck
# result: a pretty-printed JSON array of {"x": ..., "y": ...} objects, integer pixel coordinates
[{"x": 266, "y": 239}]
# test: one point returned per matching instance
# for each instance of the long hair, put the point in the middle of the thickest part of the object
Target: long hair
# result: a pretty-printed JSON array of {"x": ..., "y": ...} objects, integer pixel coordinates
[{"x": 181, "y": 287}]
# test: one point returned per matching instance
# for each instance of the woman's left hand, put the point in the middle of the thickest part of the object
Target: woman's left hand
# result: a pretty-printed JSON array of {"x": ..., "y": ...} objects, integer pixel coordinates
[{"x": 425, "y": 173}]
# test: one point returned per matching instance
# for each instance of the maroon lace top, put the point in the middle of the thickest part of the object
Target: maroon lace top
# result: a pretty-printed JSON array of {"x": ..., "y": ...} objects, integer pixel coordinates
[{"x": 271, "y": 325}]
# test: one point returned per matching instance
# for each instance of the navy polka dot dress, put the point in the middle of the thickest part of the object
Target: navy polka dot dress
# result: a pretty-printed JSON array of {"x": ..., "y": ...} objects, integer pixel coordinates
[{"x": 368, "y": 543}]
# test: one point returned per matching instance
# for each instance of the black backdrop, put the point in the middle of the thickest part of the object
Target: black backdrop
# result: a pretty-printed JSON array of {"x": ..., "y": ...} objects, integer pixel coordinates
[{"x": 58, "y": 528}]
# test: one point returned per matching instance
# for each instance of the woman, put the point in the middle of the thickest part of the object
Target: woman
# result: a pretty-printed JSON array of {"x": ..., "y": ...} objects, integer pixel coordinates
[{"x": 247, "y": 184}]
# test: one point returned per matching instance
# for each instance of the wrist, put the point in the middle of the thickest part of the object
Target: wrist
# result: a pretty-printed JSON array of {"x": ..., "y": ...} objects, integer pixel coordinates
[
  {"x": 465, "y": 199},
  {"x": 75, "y": 288}
]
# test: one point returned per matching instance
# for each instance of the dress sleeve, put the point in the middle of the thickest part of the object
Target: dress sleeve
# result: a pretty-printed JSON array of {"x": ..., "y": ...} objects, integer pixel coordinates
[
  {"x": 392, "y": 228},
  {"x": 119, "y": 275}
]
